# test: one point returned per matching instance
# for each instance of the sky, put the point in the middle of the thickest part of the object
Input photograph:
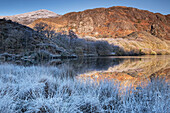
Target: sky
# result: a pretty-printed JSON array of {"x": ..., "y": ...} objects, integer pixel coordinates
[{"x": 13, "y": 7}]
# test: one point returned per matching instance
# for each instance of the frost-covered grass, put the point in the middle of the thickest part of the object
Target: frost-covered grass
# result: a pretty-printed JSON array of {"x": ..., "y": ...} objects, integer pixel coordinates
[{"x": 50, "y": 89}]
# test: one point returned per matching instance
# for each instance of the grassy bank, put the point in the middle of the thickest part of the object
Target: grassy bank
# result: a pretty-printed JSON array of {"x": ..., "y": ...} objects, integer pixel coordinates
[{"x": 50, "y": 89}]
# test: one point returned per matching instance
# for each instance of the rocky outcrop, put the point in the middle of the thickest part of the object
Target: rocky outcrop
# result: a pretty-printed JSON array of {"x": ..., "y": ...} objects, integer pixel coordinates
[
  {"x": 28, "y": 18},
  {"x": 112, "y": 22}
]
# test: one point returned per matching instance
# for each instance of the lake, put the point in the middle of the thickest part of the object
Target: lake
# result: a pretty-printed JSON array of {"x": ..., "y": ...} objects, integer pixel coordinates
[
  {"x": 128, "y": 70},
  {"x": 125, "y": 69}
]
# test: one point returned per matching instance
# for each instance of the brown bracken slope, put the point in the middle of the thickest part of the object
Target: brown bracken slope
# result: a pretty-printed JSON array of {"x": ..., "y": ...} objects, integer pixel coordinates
[{"x": 112, "y": 22}]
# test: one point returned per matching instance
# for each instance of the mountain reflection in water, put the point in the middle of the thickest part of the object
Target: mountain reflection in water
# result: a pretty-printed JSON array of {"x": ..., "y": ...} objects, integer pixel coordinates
[{"x": 126, "y": 70}]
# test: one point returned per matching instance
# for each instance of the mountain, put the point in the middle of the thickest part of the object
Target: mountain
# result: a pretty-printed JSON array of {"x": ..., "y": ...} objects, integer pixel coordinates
[
  {"x": 28, "y": 18},
  {"x": 112, "y": 22},
  {"x": 118, "y": 31}
]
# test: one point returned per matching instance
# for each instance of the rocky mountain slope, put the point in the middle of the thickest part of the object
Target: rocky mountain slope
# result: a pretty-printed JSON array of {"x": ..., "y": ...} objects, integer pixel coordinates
[
  {"x": 28, "y": 18},
  {"x": 142, "y": 43},
  {"x": 21, "y": 42},
  {"x": 112, "y": 22},
  {"x": 128, "y": 31}
]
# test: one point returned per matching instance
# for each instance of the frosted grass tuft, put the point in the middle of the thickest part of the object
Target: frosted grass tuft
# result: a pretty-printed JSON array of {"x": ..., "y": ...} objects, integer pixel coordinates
[{"x": 49, "y": 89}]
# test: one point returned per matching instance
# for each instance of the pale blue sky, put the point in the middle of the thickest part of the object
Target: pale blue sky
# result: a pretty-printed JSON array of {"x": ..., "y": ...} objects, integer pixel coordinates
[{"x": 12, "y": 7}]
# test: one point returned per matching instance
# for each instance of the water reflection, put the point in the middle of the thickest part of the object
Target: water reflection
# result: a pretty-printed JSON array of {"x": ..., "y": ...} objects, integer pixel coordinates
[
  {"x": 135, "y": 66},
  {"x": 85, "y": 65},
  {"x": 127, "y": 70}
]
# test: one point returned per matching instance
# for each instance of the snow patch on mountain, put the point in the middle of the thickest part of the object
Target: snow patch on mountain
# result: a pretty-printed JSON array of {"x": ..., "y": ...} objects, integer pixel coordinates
[{"x": 29, "y": 17}]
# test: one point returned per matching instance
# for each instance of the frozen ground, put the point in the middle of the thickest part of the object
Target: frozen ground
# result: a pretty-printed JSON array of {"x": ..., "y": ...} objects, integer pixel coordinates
[{"x": 37, "y": 89}]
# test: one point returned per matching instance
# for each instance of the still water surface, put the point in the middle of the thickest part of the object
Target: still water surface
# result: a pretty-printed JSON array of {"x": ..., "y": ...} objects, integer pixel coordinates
[
  {"x": 126, "y": 69},
  {"x": 129, "y": 70}
]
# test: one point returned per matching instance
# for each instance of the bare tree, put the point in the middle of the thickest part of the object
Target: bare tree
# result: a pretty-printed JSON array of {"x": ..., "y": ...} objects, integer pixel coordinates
[
  {"x": 72, "y": 34},
  {"x": 50, "y": 31},
  {"x": 43, "y": 28},
  {"x": 40, "y": 27}
]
